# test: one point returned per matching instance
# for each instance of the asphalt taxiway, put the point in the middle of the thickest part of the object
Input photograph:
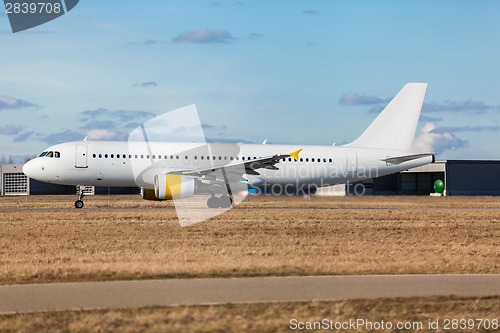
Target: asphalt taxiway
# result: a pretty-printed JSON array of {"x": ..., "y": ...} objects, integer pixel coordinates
[{"x": 172, "y": 292}]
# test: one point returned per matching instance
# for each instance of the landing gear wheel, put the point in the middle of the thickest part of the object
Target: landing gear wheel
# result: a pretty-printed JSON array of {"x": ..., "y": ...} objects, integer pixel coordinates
[
  {"x": 78, "y": 204},
  {"x": 219, "y": 202},
  {"x": 213, "y": 202},
  {"x": 225, "y": 201}
]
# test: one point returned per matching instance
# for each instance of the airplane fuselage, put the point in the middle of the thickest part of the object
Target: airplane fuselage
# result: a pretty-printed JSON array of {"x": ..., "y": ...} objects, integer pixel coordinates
[{"x": 120, "y": 164}]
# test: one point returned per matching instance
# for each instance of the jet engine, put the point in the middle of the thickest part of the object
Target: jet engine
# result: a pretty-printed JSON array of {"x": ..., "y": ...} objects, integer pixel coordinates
[{"x": 170, "y": 186}]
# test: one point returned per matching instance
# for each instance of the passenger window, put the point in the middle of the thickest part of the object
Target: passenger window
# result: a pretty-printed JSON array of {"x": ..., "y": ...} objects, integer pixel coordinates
[
  {"x": 105, "y": 155},
  {"x": 112, "y": 155},
  {"x": 176, "y": 157},
  {"x": 307, "y": 159},
  {"x": 301, "y": 159},
  {"x": 100, "y": 155},
  {"x": 202, "y": 157},
  {"x": 195, "y": 157},
  {"x": 142, "y": 156},
  {"x": 185, "y": 157},
  {"x": 330, "y": 160},
  {"x": 93, "y": 155}
]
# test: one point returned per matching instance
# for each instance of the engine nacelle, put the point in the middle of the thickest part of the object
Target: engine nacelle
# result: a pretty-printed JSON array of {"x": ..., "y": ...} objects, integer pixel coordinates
[{"x": 170, "y": 186}]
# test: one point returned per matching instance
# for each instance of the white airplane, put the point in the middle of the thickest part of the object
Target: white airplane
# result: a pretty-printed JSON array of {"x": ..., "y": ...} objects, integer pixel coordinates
[{"x": 172, "y": 170}]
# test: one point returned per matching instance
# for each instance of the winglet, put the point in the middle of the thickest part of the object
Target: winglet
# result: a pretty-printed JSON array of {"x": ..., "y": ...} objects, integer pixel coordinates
[{"x": 295, "y": 154}]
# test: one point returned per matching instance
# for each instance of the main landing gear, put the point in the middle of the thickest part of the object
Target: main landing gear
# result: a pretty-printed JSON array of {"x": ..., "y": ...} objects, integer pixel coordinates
[
  {"x": 79, "y": 201},
  {"x": 224, "y": 201}
]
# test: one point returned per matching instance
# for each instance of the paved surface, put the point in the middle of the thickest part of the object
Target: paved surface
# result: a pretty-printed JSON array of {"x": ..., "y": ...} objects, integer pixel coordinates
[{"x": 119, "y": 294}]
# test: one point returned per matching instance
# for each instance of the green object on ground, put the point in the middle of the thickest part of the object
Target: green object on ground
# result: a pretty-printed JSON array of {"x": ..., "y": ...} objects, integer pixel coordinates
[{"x": 439, "y": 186}]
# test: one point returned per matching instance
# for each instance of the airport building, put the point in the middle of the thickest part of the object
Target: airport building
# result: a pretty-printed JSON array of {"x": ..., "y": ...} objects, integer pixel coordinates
[
  {"x": 14, "y": 182},
  {"x": 461, "y": 177}
]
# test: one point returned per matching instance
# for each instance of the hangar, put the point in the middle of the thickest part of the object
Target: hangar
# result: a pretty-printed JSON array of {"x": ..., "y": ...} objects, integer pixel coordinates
[{"x": 461, "y": 177}]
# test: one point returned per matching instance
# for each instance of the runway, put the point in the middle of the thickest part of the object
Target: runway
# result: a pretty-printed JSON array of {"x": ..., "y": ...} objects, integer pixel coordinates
[{"x": 173, "y": 292}]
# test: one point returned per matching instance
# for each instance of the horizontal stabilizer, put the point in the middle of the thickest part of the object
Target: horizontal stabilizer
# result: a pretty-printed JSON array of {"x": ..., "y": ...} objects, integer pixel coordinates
[{"x": 401, "y": 159}]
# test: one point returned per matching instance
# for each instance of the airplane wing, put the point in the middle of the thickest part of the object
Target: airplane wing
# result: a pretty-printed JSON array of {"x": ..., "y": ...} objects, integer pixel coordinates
[
  {"x": 235, "y": 169},
  {"x": 405, "y": 158}
]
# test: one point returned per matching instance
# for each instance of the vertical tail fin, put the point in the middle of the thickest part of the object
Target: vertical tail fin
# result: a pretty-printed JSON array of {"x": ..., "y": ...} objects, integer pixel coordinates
[{"x": 395, "y": 126}]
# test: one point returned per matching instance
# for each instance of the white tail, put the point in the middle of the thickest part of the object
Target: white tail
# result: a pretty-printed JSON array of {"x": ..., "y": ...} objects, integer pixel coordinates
[{"x": 395, "y": 126}]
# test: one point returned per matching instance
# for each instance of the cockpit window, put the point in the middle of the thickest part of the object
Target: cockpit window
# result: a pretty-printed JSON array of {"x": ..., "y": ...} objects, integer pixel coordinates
[{"x": 55, "y": 154}]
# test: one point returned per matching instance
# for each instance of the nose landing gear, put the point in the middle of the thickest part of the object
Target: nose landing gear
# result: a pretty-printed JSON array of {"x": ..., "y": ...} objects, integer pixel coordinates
[{"x": 79, "y": 202}]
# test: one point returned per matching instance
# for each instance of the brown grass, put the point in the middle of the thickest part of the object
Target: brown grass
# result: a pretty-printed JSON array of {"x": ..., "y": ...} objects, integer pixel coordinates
[
  {"x": 122, "y": 237},
  {"x": 260, "y": 317}
]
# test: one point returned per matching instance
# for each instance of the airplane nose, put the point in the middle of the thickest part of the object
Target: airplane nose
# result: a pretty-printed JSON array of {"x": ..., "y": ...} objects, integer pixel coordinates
[{"x": 29, "y": 169}]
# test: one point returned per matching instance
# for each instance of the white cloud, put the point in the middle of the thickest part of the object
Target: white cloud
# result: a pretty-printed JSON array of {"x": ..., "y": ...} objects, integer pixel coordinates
[
  {"x": 148, "y": 84},
  {"x": 429, "y": 141},
  {"x": 354, "y": 98},
  {"x": 469, "y": 106},
  {"x": 476, "y": 128},
  {"x": 205, "y": 36},
  {"x": 101, "y": 134},
  {"x": 10, "y": 129},
  {"x": 7, "y": 102},
  {"x": 313, "y": 12}
]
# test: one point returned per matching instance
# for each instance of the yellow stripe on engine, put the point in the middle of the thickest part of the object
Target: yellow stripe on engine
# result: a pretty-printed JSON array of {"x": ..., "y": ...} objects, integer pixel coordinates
[{"x": 173, "y": 186}]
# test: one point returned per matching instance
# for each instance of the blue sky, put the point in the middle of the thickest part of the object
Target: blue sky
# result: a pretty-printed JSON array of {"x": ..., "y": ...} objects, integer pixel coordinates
[{"x": 310, "y": 72}]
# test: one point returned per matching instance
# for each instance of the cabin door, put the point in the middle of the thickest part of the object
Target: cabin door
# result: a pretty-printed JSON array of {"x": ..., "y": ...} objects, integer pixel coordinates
[{"x": 81, "y": 156}]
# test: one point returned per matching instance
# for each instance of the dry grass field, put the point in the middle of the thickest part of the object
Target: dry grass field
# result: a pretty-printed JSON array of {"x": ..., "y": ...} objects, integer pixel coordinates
[
  {"x": 264, "y": 317},
  {"x": 122, "y": 237}
]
